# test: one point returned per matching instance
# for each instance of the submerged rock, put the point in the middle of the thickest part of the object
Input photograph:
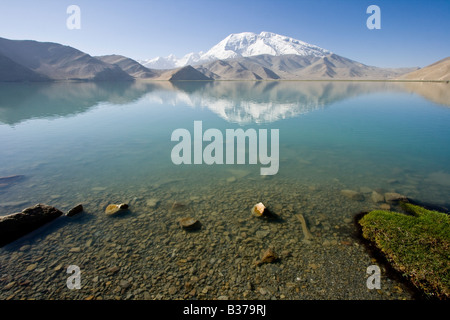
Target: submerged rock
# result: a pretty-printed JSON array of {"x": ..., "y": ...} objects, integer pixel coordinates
[
  {"x": 261, "y": 211},
  {"x": 365, "y": 190},
  {"x": 262, "y": 233},
  {"x": 376, "y": 197},
  {"x": 307, "y": 235},
  {"x": 75, "y": 210},
  {"x": 113, "y": 269},
  {"x": 231, "y": 179},
  {"x": 268, "y": 256},
  {"x": 114, "y": 209},
  {"x": 258, "y": 209},
  {"x": 124, "y": 284},
  {"x": 353, "y": 195},
  {"x": 152, "y": 203},
  {"x": 189, "y": 224},
  {"x": 177, "y": 206},
  {"x": 392, "y": 197},
  {"x": 18, "y": 224}
]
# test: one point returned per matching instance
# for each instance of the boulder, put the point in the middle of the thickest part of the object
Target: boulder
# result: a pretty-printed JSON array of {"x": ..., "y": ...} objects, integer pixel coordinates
[{"x": 18, "y": 224}]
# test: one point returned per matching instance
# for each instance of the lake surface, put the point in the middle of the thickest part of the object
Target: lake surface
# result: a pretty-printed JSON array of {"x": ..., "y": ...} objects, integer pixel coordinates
[{"x": 104, "y": 143}]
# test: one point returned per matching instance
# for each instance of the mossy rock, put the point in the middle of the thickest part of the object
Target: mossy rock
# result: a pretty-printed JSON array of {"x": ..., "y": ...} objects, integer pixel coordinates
[{"x": 415, "y": 244}]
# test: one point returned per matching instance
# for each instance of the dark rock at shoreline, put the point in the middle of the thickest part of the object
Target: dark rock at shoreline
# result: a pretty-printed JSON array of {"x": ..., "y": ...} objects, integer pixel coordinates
[{"x": 18, "y": 224}]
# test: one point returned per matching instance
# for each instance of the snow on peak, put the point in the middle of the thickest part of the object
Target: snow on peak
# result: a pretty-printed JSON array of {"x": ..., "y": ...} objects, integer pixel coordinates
[{"x": 245, "y": 44}]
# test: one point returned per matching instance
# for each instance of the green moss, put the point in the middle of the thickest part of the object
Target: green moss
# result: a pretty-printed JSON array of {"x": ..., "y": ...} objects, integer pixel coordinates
[{"x": 417, "y": 245}]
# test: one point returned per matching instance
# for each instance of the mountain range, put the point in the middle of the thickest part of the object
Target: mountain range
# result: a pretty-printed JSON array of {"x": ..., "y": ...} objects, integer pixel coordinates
[
  {"x": 27, "y": 60},
  {"x": 52, "y": 61},
  {"x": 242, "y": 56},
  {"x": 245, "y": 44}
]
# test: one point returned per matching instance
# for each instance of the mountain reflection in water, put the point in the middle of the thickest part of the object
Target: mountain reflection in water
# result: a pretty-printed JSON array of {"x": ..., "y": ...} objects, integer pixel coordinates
[{"x": 237, "y": 102}]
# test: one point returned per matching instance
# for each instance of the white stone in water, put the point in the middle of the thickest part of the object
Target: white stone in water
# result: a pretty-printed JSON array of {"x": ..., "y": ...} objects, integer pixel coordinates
[{"x": 258, "y": 209}]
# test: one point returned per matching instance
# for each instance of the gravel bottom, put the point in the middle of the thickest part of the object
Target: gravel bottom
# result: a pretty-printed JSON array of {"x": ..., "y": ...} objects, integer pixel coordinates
[{"x": 144, "y": 254}]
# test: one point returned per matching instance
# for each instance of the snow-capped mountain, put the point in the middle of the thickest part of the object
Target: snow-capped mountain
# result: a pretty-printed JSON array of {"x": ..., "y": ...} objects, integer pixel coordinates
[
  {"x": 171, "y": 61},
  {"x": 168, "y": 62},
  {"x": 245, "y": 44}
]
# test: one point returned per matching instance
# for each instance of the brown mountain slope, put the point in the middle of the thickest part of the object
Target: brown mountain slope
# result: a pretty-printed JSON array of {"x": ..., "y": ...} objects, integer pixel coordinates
[
  {"x": 294, "y": 67},
  {"x": 438, "y": 71},
  {"x": 182, "y": 74},
  {"x": 59, "y": 62},
  {"x": 130, "y": 66},
  {"x": 11, "y": 71},
  {"x": 242, "y": 69}
]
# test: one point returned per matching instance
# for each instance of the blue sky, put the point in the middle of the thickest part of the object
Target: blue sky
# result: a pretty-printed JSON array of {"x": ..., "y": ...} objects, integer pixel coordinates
[{"x": 413, "y": 33}]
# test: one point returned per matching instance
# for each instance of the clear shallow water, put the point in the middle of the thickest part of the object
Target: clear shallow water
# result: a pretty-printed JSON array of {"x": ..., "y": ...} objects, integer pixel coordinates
[{"x": 108, "y": 143}]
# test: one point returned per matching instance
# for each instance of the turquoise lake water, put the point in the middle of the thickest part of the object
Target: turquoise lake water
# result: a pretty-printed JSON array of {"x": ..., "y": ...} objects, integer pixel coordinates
[{"x": 68, "y": 138}]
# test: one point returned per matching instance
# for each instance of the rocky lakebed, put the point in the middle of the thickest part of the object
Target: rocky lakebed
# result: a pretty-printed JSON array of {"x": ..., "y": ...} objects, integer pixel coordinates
[{"x": 141, "y": 251}]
